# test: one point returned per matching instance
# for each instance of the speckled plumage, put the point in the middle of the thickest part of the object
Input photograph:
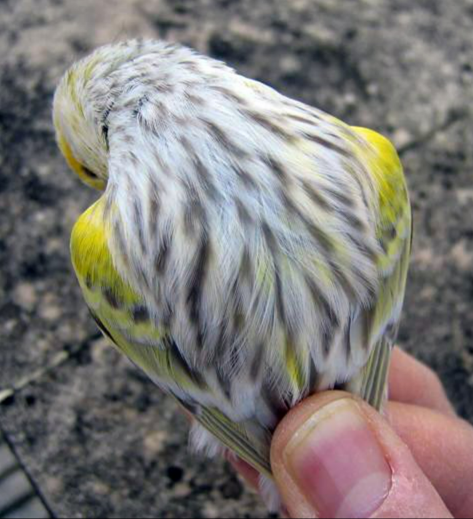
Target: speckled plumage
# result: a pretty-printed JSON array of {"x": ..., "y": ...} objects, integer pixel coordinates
[{"x": 247, "y": 249}]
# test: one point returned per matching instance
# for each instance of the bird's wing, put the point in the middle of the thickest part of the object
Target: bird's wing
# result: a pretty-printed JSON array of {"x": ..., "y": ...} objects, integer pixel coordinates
[
  {"x": 377, "y": 325},
  {"x": 122, "y": 315},
  {"x": 119, "y": 309}
]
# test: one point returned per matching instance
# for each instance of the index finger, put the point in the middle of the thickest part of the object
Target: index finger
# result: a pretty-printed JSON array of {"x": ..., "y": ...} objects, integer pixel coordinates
[{"x": 412, "y": 382}]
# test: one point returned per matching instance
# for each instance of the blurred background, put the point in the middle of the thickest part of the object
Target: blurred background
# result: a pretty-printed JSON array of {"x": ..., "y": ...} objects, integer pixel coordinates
[{"x": 82, "y": 429}]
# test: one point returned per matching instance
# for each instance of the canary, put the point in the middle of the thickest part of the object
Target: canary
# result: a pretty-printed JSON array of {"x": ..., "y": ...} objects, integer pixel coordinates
[{"x": 246, "y": 251}]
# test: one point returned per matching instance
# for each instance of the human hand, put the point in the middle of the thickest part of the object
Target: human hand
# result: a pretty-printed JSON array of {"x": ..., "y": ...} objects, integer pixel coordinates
[{"x": 335, "y": 456}]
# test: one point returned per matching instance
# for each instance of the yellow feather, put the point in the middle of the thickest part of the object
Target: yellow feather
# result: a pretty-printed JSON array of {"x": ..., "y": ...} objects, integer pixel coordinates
[
  {"x": 91, "y": 256},
  {"x": 394, "y": 224},
  {"x": 294, "y": 369},
  {"x": 75, "y": 165},
  {"x": 142, "y": 341},
  {"x": 384, "y": 164}
]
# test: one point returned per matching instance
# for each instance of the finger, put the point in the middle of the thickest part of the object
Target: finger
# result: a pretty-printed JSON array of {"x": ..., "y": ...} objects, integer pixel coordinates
[
  {"x": 250, "y": 475},
  {"x": 335, "y": 456},
  {"x": 443, "y": 448},
  {"x": 246, "y": 471},
  {"x": 412, "y": 382}
]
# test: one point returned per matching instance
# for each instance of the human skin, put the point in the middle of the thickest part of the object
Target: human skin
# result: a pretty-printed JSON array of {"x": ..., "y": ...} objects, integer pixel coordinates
[{"x": 333, "y": 455}]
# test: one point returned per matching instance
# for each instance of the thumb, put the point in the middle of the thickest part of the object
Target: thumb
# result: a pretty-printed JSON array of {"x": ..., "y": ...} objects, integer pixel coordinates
[{"x": 335, "y": 456}]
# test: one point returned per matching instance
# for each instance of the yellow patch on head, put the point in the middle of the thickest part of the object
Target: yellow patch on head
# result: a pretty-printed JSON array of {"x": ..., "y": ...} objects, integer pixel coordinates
[{"x": 83, "y": 173}]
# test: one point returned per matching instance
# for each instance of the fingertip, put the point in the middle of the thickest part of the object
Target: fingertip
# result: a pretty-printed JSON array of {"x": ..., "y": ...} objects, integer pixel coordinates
[{"x": 293, "y": 498}]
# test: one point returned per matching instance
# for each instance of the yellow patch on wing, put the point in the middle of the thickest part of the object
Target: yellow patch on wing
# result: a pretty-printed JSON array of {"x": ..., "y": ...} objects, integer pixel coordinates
[
  {"x": 378, "y": 323},
  {"x": 91, "y": 255},
  {"x": 294, "y": 369},
  {"x": 112, "y": 302},
  {"x": 119, "y": 310},
  {"x": 394, "y": 223},
  {"x": 394, "y": 228}
]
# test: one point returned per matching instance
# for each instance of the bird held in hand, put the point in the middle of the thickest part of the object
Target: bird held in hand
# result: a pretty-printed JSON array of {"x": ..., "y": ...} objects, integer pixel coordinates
[{"x": 246, "y": 250}]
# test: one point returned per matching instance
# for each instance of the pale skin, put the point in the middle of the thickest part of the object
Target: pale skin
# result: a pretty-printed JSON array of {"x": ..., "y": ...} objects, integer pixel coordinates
[{"x": 428, "y": 448}]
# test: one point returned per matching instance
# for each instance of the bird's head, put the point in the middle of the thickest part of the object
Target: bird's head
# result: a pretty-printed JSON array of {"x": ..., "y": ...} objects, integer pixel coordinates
[{"x": 82, "y": 102}]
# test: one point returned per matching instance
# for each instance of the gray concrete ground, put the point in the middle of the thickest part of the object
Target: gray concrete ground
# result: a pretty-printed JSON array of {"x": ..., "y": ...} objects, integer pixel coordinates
[{"x": 97, "y": 438}]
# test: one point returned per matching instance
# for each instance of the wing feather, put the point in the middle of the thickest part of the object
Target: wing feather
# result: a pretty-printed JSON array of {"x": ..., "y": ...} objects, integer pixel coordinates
[{"x": 378, "y": 324}]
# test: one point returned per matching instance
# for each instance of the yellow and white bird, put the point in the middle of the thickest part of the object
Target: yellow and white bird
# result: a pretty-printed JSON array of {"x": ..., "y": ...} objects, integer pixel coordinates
[{"x": 246, "y": 250}]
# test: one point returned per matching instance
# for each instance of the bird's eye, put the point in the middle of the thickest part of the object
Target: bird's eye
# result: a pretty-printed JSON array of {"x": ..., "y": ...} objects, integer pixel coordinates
[
  {"x": 105, "y": 134},
  {"x": 89, "y": 173}
]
